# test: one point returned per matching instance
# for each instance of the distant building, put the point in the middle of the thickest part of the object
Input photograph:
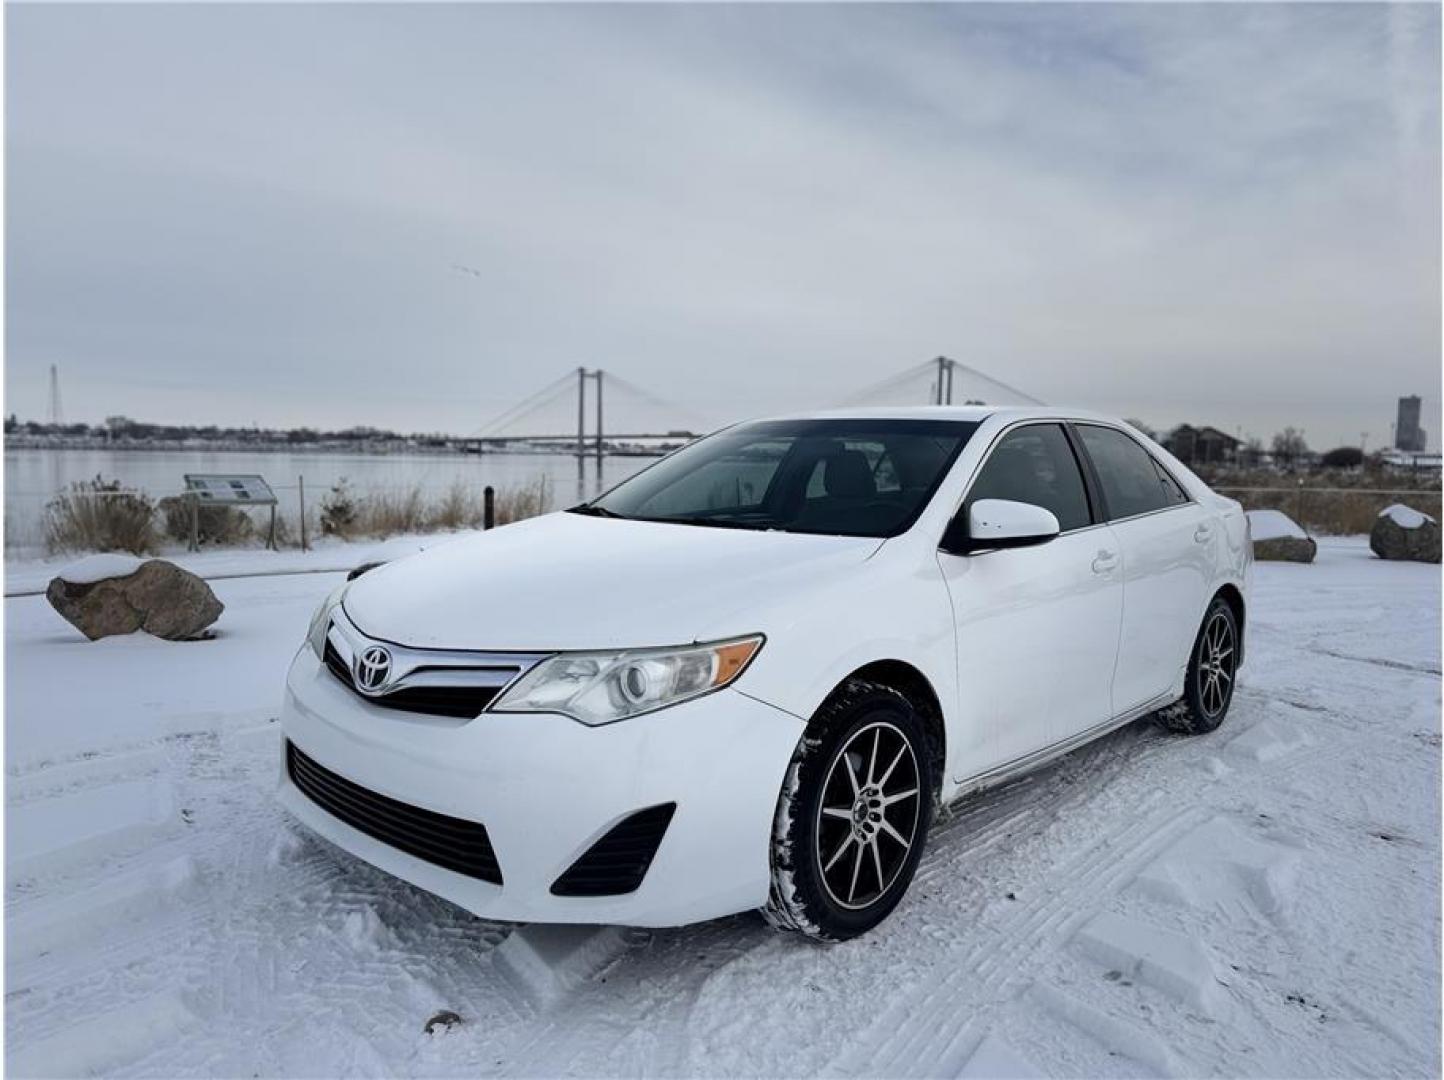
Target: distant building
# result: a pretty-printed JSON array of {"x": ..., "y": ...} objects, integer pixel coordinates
[
  {"x": 1408, "y": 435},
  {"x": 1202, "y": 445},
  {"x": 1404, "y": 459}
]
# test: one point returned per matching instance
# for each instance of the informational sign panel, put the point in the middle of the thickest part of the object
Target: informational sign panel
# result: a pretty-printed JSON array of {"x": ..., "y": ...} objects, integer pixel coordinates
[{"x": 228, "y": 490}]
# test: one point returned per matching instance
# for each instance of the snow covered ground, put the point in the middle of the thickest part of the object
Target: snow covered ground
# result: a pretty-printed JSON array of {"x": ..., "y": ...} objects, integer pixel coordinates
[{"x": 1263, "y": 901}]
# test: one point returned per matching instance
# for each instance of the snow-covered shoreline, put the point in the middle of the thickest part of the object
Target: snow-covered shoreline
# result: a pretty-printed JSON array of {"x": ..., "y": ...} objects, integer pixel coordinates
[
  {"x": 1263, "y": 901},
  {"x": 26, "y": 577}
]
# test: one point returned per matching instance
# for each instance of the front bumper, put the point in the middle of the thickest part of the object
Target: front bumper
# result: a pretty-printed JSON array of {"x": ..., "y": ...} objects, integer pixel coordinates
[{"x": 546, "y": 787}]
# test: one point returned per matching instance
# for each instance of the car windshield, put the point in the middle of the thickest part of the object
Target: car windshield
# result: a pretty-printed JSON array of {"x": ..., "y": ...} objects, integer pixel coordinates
[{"x": 834, "y": 476}]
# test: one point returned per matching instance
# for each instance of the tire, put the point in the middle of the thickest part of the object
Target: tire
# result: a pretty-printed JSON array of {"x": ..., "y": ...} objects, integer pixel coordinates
[
  {"x": 1212, "y": 671},
  {"x": 853, "y": 815}
]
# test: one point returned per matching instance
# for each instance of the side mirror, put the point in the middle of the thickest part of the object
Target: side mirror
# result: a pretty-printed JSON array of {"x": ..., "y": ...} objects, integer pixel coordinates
[{"x": 998, "y": 523}]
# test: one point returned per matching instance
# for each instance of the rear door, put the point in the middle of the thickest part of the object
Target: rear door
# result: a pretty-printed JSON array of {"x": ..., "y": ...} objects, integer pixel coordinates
[
  {"x": 1037, "y": 627},
  {"x": 1167, "y": 545}
]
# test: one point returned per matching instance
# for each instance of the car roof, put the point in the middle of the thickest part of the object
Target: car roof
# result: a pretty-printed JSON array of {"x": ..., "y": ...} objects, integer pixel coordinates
[{"x": 971, "y": 413}]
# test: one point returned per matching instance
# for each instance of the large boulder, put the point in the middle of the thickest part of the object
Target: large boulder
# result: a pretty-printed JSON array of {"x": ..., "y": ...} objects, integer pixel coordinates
[
  {"x": 1278, "y": 538},
  {"x": 118, "y": 594},
  {"x": 1286, "y": 549},
  {"x": 1401, "y": 532}
]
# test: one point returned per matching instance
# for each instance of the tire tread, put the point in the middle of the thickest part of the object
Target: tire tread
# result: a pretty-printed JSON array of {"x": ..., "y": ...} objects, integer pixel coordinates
[
  {"x": 787, "y": 909},
  {"x": 1184, "y": 716}
]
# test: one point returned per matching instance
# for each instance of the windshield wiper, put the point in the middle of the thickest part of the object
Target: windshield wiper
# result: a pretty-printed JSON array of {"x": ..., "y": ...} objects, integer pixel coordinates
[
  {"x": 717, "y": 523},
  {"x": 596, "y": 511}
]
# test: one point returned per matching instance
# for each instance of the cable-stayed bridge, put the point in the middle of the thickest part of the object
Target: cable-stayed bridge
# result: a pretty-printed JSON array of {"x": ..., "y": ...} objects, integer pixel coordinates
[{"x": 608, "y": 409}]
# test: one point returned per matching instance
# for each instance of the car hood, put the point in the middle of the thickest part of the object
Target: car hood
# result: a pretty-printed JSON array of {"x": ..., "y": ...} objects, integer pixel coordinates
[{"x": 570, "y": 581}]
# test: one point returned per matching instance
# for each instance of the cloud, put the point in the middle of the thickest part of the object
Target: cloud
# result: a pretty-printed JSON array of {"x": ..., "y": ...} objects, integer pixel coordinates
[{"x": 1220, "y": 213}]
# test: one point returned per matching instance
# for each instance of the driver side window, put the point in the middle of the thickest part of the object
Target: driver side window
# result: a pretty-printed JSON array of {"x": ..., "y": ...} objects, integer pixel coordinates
[{"x": 1035, "y": 464}]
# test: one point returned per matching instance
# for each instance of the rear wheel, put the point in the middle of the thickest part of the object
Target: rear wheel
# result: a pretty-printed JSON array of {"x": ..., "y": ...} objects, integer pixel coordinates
[
  {"x": 852, "y": 816},
  {"x": 1212, "y": 668}
]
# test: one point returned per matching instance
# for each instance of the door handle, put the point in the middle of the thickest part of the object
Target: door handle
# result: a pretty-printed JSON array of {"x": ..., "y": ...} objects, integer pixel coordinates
[
  {"x": 1202, "y": 534},
  {"x": 1104, "y": 561}
]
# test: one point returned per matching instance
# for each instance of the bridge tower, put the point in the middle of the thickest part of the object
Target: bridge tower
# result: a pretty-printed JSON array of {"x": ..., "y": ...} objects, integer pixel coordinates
[
  {"x": 582, "y": 376},
  {"x": 943, "y": 389}
]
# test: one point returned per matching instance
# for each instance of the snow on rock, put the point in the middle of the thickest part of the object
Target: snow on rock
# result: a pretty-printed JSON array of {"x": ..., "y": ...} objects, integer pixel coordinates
[
  {"x": 93, "y": 568},
  {"x": 1272, "y": 524},
  {"x": 1401, "y": 532},
  {"x": 1278, "y": 538},
  {"x": 1406, "y": 517}
]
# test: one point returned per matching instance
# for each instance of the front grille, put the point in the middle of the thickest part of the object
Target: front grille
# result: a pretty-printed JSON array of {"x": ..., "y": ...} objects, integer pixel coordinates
[
  {"x": 460, "y": 702},
  {"x": 452, "y": 843},
  {"x": 618, "y": 862}
]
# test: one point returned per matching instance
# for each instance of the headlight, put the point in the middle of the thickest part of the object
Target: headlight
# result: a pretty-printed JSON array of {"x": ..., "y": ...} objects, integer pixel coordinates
[
  {"x": 598, "y": 688},
  {"x": 321, "y": 621}
]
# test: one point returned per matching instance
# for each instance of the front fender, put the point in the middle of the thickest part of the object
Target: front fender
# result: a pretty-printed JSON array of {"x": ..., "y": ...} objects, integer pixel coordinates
[{"x": 891, "y": 613}]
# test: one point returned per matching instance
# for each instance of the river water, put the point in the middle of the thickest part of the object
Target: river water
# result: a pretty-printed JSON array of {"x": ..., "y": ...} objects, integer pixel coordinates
[{"x": 33, "y": 477}]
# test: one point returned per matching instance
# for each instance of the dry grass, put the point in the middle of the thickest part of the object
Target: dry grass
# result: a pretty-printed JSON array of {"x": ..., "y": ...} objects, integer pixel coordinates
[
  {"x": 218, "y": 526},
  {"x": 1329, "y": 502},
  {"x": 389, "y": 513},
  {"x": 398, "y": 512},
  {"x": 527, "y": 500},
  {"x": 1336, "y": 512},
  {"x": 1376, "y": 479},
  {"x": 98, "y": 515},
  {"x": 460, "y": 508}
]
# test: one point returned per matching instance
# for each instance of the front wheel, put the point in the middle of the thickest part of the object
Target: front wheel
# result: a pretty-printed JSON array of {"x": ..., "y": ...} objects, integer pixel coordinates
[
  {"x": 1212, "y": 669},
  {"x": 853, "y": 815}
]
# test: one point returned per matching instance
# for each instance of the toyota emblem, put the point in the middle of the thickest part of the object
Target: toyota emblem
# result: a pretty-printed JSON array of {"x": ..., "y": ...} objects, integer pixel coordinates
[{"x": 373, "y": 670}]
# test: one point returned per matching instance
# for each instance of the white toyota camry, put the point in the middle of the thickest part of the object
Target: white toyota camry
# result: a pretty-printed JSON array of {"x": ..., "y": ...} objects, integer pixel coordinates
[{"x": 749, "y": 675}]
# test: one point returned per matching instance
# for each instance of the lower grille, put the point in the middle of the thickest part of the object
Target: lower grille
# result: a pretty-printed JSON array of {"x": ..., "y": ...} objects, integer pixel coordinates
[
  {"x": 617, "y": 863},
  {"x": 452, "y": 843}
]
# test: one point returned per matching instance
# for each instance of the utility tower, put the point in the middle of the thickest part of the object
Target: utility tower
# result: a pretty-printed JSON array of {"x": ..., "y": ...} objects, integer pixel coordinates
[{"x": 57, "y": 414}]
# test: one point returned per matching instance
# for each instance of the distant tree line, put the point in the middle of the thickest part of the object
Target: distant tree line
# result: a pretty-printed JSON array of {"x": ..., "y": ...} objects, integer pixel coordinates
[
  {"x": 124, "y": 429},
  {"x": 1209, "y": 448}
]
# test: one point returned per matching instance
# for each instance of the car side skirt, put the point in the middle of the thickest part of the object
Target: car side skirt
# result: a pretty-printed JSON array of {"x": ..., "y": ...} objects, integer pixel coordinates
[{"x": 1038, "y": 758}]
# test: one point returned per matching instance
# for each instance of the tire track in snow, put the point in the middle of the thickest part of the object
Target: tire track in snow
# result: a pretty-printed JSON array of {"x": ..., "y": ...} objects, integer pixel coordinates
[
  {"x": 280, "y": 943},
  {"x": 920, "y": 1034},
  {"x": 582, "y": 1036},
  {"x": 599, "y": 1029},
  {"x": 300, "y": 935}
]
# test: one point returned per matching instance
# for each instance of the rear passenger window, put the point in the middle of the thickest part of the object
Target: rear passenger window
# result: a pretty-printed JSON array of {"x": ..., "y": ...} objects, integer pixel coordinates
[
  {"x": 1035, "y": 464},
  {"x": 1133, "y": 483},
  {"x": 1176, "y": 495}
]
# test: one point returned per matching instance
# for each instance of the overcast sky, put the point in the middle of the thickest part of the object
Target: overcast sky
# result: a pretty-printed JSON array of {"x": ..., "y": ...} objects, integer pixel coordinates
[{"x": 413, "y": 217}]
